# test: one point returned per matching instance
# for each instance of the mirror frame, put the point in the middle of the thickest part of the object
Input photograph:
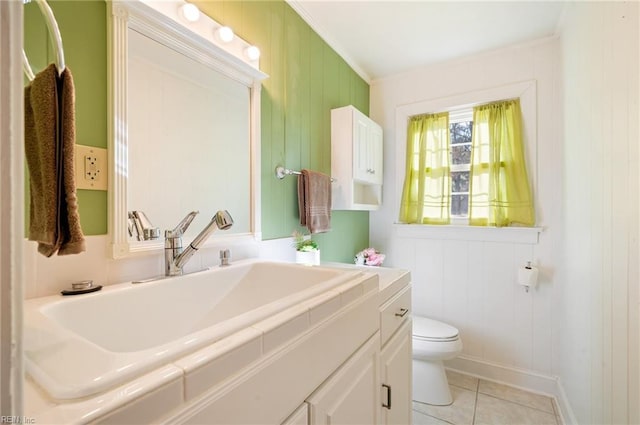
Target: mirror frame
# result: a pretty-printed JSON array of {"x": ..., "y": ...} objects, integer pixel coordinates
[{"x": 160, "y": 20}]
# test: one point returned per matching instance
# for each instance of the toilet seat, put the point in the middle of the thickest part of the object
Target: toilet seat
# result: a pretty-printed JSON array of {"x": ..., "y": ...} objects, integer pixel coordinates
[
  {"x": 425, "y": 329},
  {"x": 428, "y": 339}
]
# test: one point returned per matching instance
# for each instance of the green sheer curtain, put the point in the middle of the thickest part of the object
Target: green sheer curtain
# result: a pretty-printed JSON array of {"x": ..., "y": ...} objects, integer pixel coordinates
[
  {"x": 499, "y": 186},
  {"x": 427, "y": 185}
]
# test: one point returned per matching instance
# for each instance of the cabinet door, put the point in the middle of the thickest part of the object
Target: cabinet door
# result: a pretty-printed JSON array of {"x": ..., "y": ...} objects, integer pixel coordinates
[
  {"x": 395, "y": 362},
  {"x": 375, "y": 153},
  {"x": 361, "y": 148},
  {"x": 367, "y": 150},
  {"x": 351, "y": 394}
]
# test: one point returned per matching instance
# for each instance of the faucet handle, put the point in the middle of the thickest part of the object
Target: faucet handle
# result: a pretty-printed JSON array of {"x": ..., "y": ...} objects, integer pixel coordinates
[
  {"x": 182, "y": 226},
  {"x": 225, "y": 256}
]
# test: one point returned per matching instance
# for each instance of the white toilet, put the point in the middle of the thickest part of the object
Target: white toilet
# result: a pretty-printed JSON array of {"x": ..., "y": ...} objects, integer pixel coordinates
[{"x": 433, "y": 342}]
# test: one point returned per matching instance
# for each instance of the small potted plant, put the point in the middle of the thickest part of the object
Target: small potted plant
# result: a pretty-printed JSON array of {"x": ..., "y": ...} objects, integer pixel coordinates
[{"x": 307, "y": 251}]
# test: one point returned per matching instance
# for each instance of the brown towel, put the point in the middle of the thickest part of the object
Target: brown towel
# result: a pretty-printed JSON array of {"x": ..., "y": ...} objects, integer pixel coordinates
[
  {"x": 314, "y": 201},
  {"x": 49, "y": 148}
]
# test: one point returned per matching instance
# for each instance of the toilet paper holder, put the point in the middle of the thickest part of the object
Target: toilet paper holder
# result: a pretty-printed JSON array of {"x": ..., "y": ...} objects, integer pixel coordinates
[{"x": 528, "y": 276}]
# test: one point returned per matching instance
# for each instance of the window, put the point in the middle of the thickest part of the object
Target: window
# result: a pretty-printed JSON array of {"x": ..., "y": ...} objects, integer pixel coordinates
[{"x": 467, "y": 166}]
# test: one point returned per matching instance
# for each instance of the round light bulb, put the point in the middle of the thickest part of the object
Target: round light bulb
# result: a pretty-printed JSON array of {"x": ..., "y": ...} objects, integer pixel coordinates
[
  {"x": 190, "y": 12},
  {"x": 225, "y": 34},
  {"x": 252, "y": 52}
]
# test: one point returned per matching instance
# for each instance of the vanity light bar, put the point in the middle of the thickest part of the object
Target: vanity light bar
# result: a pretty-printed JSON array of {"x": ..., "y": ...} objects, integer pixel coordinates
[{"x": 189, "y": 15}]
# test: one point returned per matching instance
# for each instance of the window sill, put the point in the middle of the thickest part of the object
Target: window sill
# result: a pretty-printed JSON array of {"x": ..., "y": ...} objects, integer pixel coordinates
[{"x": 519, "y": 235}]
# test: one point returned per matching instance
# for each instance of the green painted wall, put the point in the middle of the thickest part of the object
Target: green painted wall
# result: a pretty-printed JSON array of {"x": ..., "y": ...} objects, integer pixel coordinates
[{"x": 306, "y": 80}]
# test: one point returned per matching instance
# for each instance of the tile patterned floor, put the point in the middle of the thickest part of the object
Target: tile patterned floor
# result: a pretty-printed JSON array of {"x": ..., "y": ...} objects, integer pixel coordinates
[{"x": 480, "y": 402}]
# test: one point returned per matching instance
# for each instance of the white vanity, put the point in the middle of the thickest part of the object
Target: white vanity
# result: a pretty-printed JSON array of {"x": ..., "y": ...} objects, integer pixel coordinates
[{"x": 277, "y": 343}]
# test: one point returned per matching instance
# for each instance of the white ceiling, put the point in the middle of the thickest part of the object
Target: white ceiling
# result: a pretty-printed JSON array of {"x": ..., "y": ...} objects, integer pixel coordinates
[{"x": 383, "y": 38}]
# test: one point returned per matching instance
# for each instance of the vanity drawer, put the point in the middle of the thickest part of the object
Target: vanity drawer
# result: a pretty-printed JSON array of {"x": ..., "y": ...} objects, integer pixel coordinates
[{"x": 393, "y": 313}]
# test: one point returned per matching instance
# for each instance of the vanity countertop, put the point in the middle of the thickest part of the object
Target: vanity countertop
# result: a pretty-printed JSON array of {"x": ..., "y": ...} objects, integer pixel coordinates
[{"x": 390, "y": 280}]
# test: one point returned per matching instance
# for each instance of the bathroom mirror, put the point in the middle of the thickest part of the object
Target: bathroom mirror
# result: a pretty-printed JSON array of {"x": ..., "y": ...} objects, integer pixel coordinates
[{"x": 184, "y": 125}]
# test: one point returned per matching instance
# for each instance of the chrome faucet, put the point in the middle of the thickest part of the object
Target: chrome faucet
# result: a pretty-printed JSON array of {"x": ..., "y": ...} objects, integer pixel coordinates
[{"x": 174, "y": 257}]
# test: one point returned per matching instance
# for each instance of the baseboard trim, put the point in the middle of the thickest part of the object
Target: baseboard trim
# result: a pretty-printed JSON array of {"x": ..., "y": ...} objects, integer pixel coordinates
[
  {"x": 514, "y": 377},
  {"x": 565, "y": 412},
  {"x": 519, "y": 378}
]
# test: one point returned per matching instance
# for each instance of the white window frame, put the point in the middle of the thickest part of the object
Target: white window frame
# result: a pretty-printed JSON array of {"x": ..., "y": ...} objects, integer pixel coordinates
[
  {"x": 455, "y": 116},
  {"x": 526, "y": 92}
]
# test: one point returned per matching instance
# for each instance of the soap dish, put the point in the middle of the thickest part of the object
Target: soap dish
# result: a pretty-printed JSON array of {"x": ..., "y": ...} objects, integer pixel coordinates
[{"x": 82, "y": 287}]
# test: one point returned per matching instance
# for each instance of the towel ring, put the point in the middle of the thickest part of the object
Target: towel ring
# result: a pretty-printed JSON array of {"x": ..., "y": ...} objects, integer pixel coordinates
[
  {"x": 54, "y": 30},
  {"x": 26, "y": 67}
]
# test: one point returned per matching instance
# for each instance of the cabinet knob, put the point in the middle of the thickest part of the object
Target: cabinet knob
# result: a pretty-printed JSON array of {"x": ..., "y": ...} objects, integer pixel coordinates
[{"x": 403, "y": 312}]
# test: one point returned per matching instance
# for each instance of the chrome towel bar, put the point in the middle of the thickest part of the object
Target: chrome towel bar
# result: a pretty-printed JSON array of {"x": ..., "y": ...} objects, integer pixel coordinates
[{"x": 282, "y": 172}]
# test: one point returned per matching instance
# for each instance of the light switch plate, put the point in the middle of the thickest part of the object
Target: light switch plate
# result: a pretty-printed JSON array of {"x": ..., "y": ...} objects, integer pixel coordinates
[{"x": 91, "y": 168}]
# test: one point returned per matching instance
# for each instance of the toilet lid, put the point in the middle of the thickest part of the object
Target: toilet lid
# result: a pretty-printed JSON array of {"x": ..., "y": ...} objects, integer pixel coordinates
[{"x": 432, "y": 329}]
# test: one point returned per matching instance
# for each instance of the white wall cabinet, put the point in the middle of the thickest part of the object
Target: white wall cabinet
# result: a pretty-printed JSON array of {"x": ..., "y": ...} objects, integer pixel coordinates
[{"x": 356, "y": 160}]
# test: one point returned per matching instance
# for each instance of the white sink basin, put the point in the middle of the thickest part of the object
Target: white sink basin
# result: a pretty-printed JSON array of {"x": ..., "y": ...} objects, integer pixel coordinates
[
  {"x": 80, "y": 345},
  {"x": 152, "y": 314}
]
